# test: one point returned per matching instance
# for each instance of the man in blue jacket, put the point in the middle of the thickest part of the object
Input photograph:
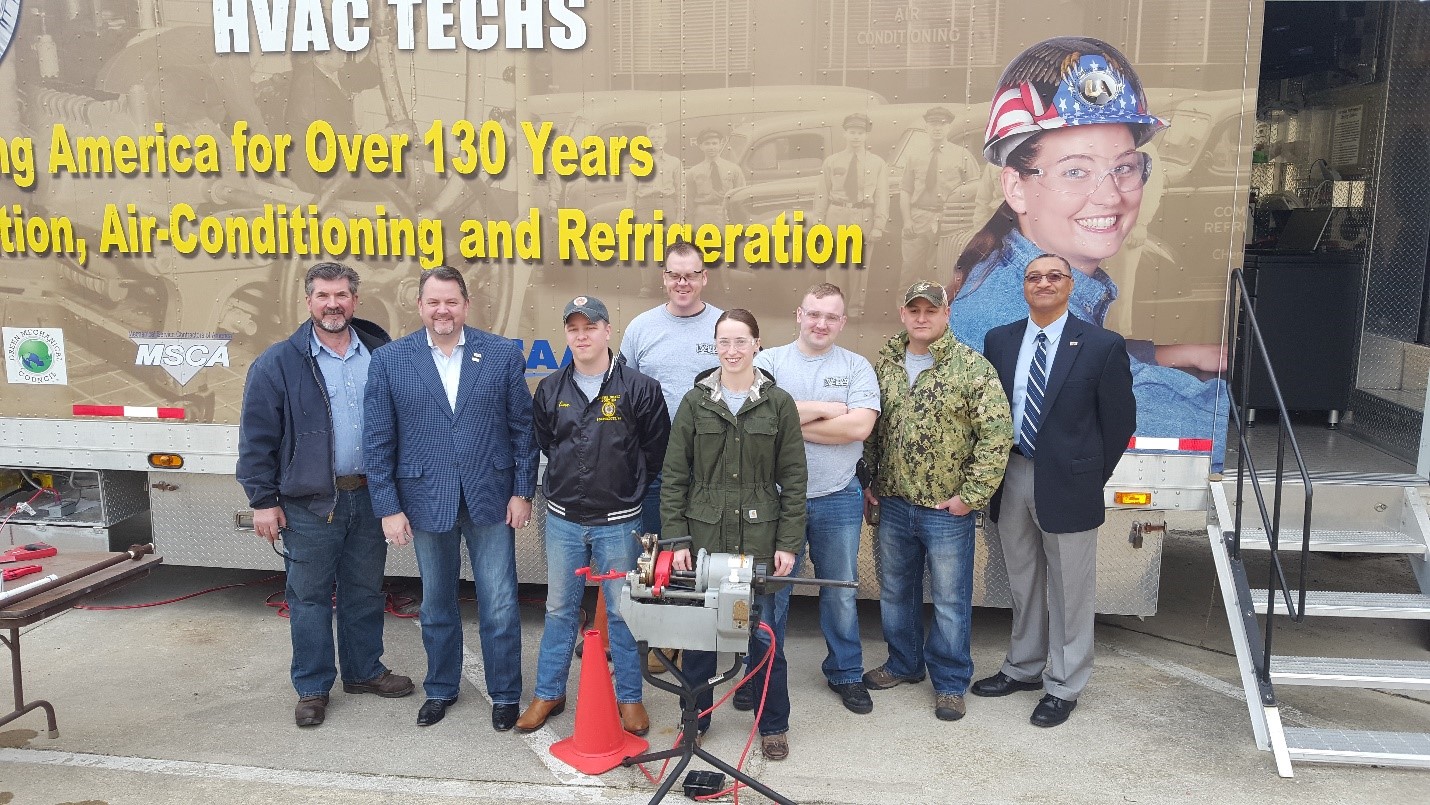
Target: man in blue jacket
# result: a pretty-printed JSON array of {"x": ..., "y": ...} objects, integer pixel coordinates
[
  {"x": 300, "y": 461},
  {"x": 451, "y": 458}
]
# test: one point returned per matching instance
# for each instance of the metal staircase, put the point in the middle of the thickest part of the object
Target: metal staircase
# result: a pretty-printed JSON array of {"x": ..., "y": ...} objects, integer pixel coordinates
[{"x": 1271, "y": 511}]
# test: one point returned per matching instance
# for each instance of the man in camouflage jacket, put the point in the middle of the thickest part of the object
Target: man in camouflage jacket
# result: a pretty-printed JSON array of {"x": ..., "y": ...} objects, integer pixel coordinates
[{"x": 937, "y": 454}]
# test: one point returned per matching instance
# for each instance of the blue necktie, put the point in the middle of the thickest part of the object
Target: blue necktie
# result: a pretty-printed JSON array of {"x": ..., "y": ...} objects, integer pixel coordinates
[{"x": 1033, "y": 403}]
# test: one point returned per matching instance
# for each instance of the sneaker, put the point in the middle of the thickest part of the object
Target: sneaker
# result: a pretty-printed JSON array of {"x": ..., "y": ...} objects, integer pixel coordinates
[
  {"x": 855, "y": 697},
  {"x": 948, "y": 707},
  {"x": 881, "y": 679}
]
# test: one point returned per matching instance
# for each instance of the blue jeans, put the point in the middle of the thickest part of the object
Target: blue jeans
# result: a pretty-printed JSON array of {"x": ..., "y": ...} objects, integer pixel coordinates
[
  {"x": 604, "y": 548},
  {"x": 349, "y": 551},
  {"x": 650, "y": 507},
  {"x": 834, "y": 523},
  {"x": 909, "y": 535},
  {"x": 492, "y": 549},
  {"x": 699, "y": 666}
]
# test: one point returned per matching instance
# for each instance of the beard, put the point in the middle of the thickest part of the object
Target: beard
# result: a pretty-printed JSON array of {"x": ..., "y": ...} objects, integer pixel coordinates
[
  {"x": 333, "y": 321},
  {"x": 444, "y": 326}
]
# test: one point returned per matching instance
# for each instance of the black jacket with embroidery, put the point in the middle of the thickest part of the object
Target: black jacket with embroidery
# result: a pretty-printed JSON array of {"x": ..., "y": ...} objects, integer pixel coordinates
[{"x": 601, "y": 454}]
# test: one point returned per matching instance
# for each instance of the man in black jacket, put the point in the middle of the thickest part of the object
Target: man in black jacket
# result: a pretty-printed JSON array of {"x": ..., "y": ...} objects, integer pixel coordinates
[
  {"x": 300, "y": 462},
  {"x": 603, "y": 427},
  {"x": 1073, "y": 413}
]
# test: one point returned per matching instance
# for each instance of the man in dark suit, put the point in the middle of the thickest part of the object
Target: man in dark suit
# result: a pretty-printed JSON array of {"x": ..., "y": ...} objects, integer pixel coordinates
[
  {"x": 1071, "y": 387},
  {"x": 451, "y": 457}
]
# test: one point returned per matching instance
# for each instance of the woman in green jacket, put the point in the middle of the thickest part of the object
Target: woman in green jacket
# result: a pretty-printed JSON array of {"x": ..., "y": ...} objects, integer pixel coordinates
[{"x": 735, "y": 481}]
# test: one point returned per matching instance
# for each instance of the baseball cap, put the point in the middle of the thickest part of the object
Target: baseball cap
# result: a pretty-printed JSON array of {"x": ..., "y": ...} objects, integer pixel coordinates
[
  {"x": 923, "y": 289},
  {"x": 588, "y": 306},
  {"x": 939, "y": 114},
  {"x": 1066, "y": 81}
]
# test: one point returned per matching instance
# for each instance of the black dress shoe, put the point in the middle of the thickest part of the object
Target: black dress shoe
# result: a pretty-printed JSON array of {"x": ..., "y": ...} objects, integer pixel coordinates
[
  {"x": 504, "y": 716},
  {"x": 432, "y": 711},
  {"x": 1000, "y": 684},
  {"x": 1052, "y": 711}
]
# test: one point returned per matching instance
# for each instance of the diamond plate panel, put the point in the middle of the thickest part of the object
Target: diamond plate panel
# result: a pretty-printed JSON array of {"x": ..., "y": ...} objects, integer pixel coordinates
[
  {"x": 1389, "y": 425},
  {"x": 194, "y": 524},
  {"x": 1395, "y": 286}
]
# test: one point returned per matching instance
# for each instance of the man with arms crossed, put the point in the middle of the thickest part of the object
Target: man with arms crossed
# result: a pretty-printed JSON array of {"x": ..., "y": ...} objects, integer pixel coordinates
[
  {"x": 300, "y": 460},
  {"x": 673, "y": 343},
  {"x": 938, "y": 453},
  {"x": 451, "y": 458},
  {"x": 837, "y": 395},
  {"x": 1071, "y": 387},
  {"x": 603, "y": 427}
]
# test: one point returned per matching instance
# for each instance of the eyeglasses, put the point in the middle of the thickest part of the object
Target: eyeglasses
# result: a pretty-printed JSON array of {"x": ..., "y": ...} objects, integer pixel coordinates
[
  {"x": 1053, "y": 277},
  {"x": 821, "y": 317},
  {"x": 741, "y": 344},
  {"x": 1078, "y": 177},
  {"x": 676, "y": 277}
]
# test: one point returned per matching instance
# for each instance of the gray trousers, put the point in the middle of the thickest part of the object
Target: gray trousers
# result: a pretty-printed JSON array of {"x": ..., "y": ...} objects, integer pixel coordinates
[{"x": 1053, "y": 581}]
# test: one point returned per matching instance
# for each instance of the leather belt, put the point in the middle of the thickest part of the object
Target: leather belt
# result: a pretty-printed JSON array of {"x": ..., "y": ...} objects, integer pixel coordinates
[{"x": 348, "y": 483}]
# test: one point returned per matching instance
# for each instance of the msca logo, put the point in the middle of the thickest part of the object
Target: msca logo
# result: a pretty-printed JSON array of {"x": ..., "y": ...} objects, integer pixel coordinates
[
  {"x": 9, "y": 21},
  {"x": 541, "y": 357},
  {"x": 182, "y": 355}
]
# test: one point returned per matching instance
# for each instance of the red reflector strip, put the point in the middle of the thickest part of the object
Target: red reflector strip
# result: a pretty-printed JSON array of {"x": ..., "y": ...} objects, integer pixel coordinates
[
  {"x": 1180, "y": 445},
  {"x": 140, "y": 411}
]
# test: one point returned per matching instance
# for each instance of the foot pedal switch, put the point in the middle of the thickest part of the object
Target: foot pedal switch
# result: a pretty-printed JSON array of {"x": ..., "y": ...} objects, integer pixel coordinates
[{"x": 704, "y": 783}]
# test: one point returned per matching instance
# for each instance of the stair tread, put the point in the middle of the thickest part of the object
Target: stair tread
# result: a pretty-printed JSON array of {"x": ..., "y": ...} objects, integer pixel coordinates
[
  {"x": 1364, "y": 741},
  {"x": 1350, "y": 666},
  {"x": 1339, "y": 598},
  {"x": 1347, "y": 540}
]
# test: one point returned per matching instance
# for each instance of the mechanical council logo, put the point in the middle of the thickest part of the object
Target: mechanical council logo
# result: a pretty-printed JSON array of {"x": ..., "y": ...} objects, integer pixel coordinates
[{"x": 35, "y": 355}]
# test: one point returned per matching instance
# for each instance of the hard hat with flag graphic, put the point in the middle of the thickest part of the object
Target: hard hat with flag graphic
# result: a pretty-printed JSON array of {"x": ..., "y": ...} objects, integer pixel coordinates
[{"x": 1066, "y": 81}]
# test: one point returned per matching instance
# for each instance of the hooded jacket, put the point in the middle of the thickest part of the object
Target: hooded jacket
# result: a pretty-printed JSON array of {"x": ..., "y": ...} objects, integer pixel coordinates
[{"x": 736, "y": 482}]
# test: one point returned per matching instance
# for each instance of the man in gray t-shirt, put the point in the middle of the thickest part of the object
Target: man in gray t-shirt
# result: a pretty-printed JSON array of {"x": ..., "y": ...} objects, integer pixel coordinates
[
  {"x": 673, "y": 343},
  {"x": 838, "y": 398}
]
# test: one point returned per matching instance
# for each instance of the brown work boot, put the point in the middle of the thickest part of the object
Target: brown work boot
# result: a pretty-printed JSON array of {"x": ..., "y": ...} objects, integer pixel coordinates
[
  {"x": 389, "y": 686},
  {"x": 538, "y": 711},
  {"x": 775, "y": 747},
  {"x": 653, "y": 663},
  {"x": 633, "y": 718},
  {"x": 311, "y": 711},
  {"x": 948, "y": 707}
]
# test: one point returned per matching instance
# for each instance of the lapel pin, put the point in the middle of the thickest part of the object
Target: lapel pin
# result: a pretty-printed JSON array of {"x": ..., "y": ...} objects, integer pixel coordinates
[
  {"x": 476, "y": 357},
  {"x": 1072, "y": 343}
]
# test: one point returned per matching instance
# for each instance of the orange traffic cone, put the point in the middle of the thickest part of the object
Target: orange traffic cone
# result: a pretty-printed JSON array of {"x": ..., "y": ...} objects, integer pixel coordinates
[
  {"x": 602, "y": 619},
  {"x": 599, "y": 743}
]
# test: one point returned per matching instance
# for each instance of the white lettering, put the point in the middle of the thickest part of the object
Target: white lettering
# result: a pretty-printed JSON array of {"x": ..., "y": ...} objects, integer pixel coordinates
[
  {"x": 439, "y": 19},
  {"x": 406, "y": 38},
  {"x": 310, "y": 29},
  {"x": 348, "y": 36},
  {"x": 230, "y": 31},
  {"x": 573, "y": 34},
  {"x": 477, "y": 35},
  {"x": 523, "y": 24}
]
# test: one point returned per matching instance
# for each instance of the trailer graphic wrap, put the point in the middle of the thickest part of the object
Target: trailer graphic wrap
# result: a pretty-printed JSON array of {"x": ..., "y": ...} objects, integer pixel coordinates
[{"x": 170, "y": 168}]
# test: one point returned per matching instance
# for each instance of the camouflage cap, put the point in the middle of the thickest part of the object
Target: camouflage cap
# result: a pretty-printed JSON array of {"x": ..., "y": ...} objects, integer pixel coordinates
[
  {"x": 923, "y": 289},
  {"x": 589, "y": 306}
]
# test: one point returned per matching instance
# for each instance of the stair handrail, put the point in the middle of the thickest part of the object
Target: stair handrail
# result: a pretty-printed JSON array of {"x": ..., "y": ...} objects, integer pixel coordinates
[{"x": 1252, "y": 342}]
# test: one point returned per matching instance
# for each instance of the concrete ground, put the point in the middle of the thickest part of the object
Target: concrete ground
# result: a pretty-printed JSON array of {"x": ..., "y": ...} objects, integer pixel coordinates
[{"x": 190, "y": 702}]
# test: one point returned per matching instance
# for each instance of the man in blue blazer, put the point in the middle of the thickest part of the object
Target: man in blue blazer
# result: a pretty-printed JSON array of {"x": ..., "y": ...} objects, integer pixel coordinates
[
  {"x": 1073, "y": 413},
  {"x": 451, "y": 457}
]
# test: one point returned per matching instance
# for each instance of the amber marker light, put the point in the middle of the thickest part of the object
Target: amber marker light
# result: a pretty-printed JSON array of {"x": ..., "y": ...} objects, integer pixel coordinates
[
  {"x": 1132, "y": 498},
  {"x": 166, "y": 461}
]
